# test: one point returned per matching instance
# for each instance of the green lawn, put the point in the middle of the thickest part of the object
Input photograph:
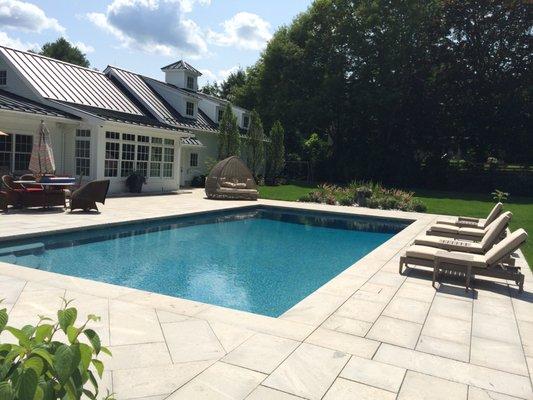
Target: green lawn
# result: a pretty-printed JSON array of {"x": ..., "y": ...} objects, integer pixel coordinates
[{"x": 438, "y": 202}]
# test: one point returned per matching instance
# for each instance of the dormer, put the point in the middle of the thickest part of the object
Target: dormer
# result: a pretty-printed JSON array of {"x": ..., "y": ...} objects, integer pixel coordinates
[{"x": 182, "y": 75}]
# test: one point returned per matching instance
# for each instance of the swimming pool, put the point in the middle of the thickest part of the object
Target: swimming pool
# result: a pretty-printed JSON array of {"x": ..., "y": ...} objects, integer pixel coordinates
[{"x": 259, "y": 259}]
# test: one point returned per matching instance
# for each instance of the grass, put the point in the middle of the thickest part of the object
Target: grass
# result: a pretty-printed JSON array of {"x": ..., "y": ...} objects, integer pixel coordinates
[{"x": 438, "y": 202}]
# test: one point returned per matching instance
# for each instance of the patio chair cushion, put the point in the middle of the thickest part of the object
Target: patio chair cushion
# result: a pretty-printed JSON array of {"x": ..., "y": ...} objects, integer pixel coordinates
[
  {"x": 494, "y": 213},
  {"x": 495, "y": 230},
  {"x": 449, "y": 244},
  {"x": 429, "y": 253},
  {"x": 508, "y": 245}
]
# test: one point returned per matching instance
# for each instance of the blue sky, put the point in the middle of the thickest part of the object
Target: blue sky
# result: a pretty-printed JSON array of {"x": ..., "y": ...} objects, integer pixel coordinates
[{"x": 216, "y": 36}]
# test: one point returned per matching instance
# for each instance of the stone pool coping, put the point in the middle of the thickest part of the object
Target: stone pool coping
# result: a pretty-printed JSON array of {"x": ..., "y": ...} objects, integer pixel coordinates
[{"x": 402, "y": 331}]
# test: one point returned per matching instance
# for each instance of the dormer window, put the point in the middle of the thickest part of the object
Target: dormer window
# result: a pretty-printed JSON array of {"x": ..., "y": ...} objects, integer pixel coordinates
[
  {"x": 220, "y": 113},
  {"x": 190, "y": 82},
  {"x": 245, "y": 121},
  {"x": 190, "y": 109},
  {"x": 3, "y": 78}
]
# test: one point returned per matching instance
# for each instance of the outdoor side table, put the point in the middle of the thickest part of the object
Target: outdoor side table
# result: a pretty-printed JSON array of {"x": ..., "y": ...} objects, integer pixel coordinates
[{"x": 448, "y": 261}]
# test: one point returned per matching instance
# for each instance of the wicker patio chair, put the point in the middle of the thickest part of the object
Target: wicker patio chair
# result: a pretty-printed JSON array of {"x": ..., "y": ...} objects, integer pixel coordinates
[
  {"x": 231, "y": 179},
  {"x": 86, "y": 197}
]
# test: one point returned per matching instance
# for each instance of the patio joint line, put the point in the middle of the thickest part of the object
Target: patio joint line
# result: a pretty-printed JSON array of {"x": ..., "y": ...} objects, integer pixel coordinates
[
  {"x": 164, "y": 337},
  {"x": 426, "y": 317}
]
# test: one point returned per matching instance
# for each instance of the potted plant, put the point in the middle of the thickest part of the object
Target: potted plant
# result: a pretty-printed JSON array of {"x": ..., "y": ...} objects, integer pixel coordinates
[{"x": 135, "y": 181}]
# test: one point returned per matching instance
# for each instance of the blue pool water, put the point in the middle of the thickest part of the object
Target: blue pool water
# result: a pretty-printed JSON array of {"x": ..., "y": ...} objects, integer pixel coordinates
[{"x": 262, "y": 260}]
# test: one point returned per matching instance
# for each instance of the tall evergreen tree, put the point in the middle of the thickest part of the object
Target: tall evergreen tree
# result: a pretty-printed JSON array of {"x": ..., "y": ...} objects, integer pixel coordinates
[
  {"x": 276, "y": 152},
  {"x": 62, "y": 50},
  {"x": 256, "y": 141},
  {"x": 229, "y": 137}
]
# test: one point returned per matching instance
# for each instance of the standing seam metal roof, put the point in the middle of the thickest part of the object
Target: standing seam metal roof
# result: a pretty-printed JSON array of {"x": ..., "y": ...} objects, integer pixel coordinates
[
  {"x": 58, "y": 80},
  {"x": 13, "y": 102}
]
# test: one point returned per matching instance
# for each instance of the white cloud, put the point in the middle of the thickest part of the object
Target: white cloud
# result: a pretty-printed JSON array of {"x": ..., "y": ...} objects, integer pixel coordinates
[
  {"x": 85, "y": 48},
  {"x": 244, "y": 30},
  {"x": 156, "y": 26},
  {"x": 220, "y": 76},
  {"x": 26, "y": 16},
  {"x": 15, "y": 43}
]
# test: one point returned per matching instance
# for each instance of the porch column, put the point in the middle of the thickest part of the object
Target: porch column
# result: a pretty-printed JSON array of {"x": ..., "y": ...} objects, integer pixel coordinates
[
  {"x": 99, "y": 153},
  {"x": 177, "y": 162}
]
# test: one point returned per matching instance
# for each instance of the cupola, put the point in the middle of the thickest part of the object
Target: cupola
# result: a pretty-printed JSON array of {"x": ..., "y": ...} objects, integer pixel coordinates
[{"x": 182, "y": 75}]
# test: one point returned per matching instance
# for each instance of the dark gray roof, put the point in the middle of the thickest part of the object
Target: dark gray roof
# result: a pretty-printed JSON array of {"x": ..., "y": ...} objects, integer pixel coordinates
[
  {"x": 139, "y": 88},
  {"x": 181, "y": 65},
  {"x": 190, "y": 141},
  {"x": 58, "y": 80},
  {"x": 12, "y": 102}
]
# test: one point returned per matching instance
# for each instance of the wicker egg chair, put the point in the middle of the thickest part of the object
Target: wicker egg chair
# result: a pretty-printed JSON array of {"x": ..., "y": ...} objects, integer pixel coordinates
[{"x": 231, "y": 179}]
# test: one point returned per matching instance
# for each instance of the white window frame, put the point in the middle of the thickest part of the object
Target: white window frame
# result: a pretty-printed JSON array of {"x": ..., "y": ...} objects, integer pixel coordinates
[
  {"x": 82, "y": 136},
  {"x": 244, "y": 118},
  {"x": 190, "y": 79},
  {"x": 3, "y": 77},
  {"x": 13, "y": 151},
  {"x": 153, "y": 161},
  {"x": 220, "y": 113},
  {"x": 193, "y": 160}
]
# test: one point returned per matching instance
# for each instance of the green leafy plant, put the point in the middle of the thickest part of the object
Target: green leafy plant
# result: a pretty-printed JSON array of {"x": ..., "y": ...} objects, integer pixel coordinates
[
  {"x": 500, "y": 196},
  {"x": 40, "y": 367}
]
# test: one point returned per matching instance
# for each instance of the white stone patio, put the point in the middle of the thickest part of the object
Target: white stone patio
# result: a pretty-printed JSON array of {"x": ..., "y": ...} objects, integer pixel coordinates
[{"x": 369, "y": 333}]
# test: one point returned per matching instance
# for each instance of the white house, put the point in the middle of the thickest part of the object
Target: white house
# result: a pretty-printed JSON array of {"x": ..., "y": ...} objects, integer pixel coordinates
[{"x": 106, "y": 124}]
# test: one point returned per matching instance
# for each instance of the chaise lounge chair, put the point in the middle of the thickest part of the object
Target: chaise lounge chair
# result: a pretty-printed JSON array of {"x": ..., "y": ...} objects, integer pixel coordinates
[
  {"x": 473, "y": 222},
  {"x": 85, "y": 198},
  {"x": 495, "y": 231},
  {"x": 458, "y": 232},
  {"x": 491, "y": 264}
]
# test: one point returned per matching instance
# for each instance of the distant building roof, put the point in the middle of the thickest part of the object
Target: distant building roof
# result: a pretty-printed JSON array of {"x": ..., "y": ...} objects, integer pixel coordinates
[
  {"x": 13, "y": 102},
  {"x": 181, "y": 65},
  {"x": 58, "y": 80}
]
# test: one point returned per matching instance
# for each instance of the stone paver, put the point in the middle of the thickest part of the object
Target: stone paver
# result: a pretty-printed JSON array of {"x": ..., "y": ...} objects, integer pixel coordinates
[
  {"x": 344, "y": 389},
  {"x": 261, "y": 353},
  {"x": 395, "y": 331},
  {"x": 220, "y": 381},
  {"x": 424, "y": 387},
  {"x": 374, "y": 373},
  {"x": 308, "y": 372},
  {"x": 368, "y": 333}
]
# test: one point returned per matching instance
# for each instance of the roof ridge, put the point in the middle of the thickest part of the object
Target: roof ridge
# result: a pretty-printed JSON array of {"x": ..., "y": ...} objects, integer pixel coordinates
[{"x": 52, "y": 59}]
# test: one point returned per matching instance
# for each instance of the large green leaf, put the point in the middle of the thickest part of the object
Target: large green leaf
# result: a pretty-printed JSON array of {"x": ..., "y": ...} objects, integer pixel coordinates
[
  {"x": 63, "y": 363},
  {"x": 99, "y": 367},
  {"x": 36, "y": 363},
  {"x": 22, "y": 338},
  {"x": 27, "y": 384},
  {"x": 3, "y": 319},
  {"x": 72, "y": 333},
  {"x": 66, "y": 318},
  {"x": 6, "y": 391},
  {"x": 86, "y": 353},
  {"x": 45, "y": 355},
  {"x": 94, "y": 339},
  {"x": 42, "y": 332}
]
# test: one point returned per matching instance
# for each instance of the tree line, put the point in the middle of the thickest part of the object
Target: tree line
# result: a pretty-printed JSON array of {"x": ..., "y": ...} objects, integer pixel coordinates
[{"x": 395, "y": 91}]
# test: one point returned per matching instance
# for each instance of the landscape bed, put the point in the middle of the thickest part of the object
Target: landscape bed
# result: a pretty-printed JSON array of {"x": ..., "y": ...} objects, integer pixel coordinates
[{"x": 258, "y": 259}]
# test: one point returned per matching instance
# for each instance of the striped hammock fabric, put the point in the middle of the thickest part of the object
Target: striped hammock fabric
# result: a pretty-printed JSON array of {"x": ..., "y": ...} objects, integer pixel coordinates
[{"x": 42, "y": 157}]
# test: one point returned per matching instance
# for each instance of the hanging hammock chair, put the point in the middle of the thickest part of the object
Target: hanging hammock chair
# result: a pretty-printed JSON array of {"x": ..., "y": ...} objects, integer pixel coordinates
[{"x": 231, "y": 179}]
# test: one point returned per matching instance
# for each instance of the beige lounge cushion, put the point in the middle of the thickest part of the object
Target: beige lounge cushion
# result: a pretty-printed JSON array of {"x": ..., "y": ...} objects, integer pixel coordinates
[
  {"x": 449, "y": 244},
  {"x": 450, "y": 229},
  {"x": 495, "y": 230},
  {"x": 429, "y": 253},
  {"x": 477, "y": 233},
  {"x": 494, "y": 213},
  {"x": 240, "y": 185},
  {"x": 227, "y": 184},
  {"x": 508, "y": 245}
]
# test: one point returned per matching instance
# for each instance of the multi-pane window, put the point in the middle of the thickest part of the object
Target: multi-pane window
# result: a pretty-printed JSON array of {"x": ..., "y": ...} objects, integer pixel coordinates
[
  {"x": 6, "y": 153},
  {"x": 155, "y": 161},
  {"x": 168, "y": 160},
  {"x": 112, "y": 155},
  {"x": 245, "y": 121},
  {"x": 83, "y": 152},
  {"x": 190, "y": 82},
  {"x": 190, "y": 108},
  {"x": 23, "y": 146},
  {"x": 151, "y": 156},
  {"x": 194, "y": 160},
  {"x": 220, "y": 113},
  {"x": 3, "y": 78},
  {"x": 128, "y": 159},
  {"x": 143, "y": 152}
]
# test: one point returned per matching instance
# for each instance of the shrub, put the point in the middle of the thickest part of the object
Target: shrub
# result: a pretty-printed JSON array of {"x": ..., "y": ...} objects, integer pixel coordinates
[
  {"x": 346, "y": 200},
  {"x": 198, "y": 181},
  {"x": 500, "y": 196},
  {"x": 306, "y": 199},
  {"x": 42, "y": 367},
  {"x": 419, "y": 206}
]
